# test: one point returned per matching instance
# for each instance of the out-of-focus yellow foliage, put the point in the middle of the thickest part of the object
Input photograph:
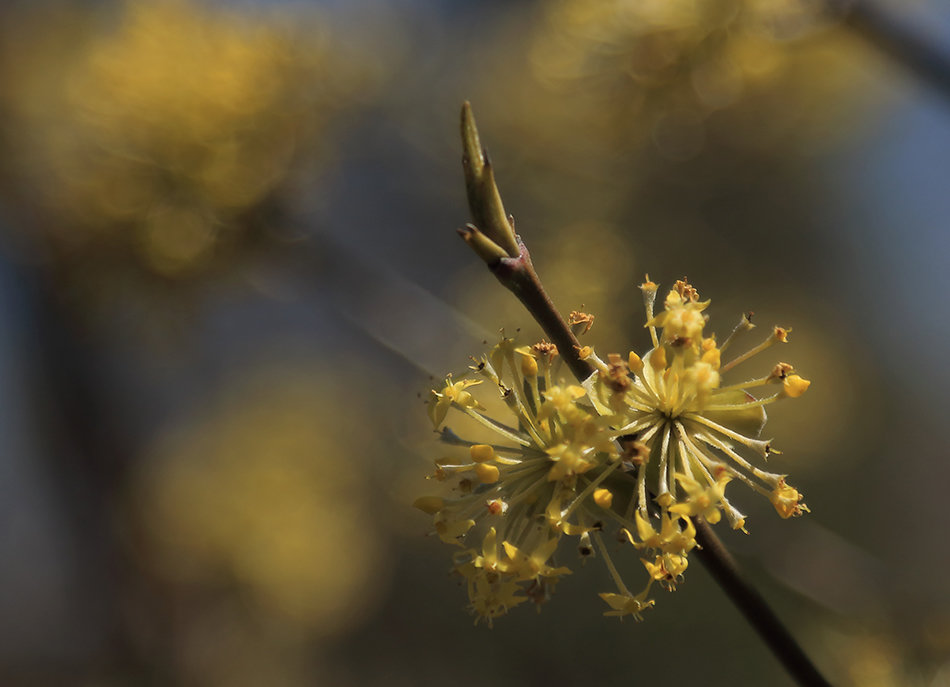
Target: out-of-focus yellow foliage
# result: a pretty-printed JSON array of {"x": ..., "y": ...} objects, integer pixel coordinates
[
  {"x": 154, "y": 136},
  {"x": 618, "y": 73},
  {"x": 879, "y": 656},
  {"x": 633, "y": 124},
  {"x": 266, "y": 490}
]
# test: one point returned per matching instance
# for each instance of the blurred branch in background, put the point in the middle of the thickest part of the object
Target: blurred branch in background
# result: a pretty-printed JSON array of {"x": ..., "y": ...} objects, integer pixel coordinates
[
  {"x": 905, "y": 41},
  {"x": 388, "y": 307}
]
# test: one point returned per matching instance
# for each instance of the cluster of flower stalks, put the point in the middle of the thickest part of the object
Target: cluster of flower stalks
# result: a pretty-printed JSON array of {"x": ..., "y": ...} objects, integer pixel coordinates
[{"x": 639, "y": 449}]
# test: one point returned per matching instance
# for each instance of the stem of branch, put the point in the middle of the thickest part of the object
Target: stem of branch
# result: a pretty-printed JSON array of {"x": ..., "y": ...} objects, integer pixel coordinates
[
  {"x": 724, "y": 569},
  {"x": 517, "y": 274},
  {"x": 519, "y": 277}
]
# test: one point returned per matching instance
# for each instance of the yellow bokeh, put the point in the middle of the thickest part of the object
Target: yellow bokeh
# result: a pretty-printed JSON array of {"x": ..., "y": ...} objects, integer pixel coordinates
[
  {"x": 155, "y": 137},
  {"x": 267, "y": 489},
  {"x": 620, "y": 74}
]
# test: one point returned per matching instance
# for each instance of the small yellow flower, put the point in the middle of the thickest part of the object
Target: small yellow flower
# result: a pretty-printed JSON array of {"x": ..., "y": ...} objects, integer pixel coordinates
[
  {"x": 490, "y": 594},
  {"x": 700, "y": 500},
  {"x": 627, "y": 604},
  {"x": 529, "y": 566},
  {"x": 787, "y": 500},
  {"x": 569, "y": 461},
  {"x": 667, "y": 569},
  {"x": 452, "y": 394},
  {"x": 701, "y": 432},
  {"x": 676, "y": 535},
  {"x": 450, "y": 531},
  {"x": 551, "y": 476}
]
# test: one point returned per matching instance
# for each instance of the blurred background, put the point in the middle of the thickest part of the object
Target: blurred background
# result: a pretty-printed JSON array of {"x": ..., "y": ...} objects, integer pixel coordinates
[{"x": 229, "y": 271}]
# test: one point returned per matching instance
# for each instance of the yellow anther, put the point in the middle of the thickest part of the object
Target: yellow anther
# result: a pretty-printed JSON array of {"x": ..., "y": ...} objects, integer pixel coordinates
[
  {"x": 481, "y": 453},
  {"x": 429, "y": 504},
  {"x": 603, "y": 498},
  {"x": 635, "y": 363},
  {"x": 487, "y": 474}
]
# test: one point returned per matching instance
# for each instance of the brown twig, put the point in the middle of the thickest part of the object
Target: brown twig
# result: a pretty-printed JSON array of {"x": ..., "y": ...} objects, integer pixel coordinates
[
  {"x": 508, "y": 259},
  {"x": 723, "y": 567},
  {"x": 519, "y": 277}
]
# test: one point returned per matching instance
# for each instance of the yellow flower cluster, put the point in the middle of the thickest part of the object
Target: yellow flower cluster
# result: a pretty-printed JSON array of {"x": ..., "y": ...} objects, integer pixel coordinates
[
  {"x": 644, "y": 444},
  {"x": 156, "y": 141}
]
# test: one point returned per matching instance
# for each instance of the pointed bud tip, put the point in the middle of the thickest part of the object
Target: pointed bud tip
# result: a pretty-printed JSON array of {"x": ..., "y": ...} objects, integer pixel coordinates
[{"x": 473, "y": 153}]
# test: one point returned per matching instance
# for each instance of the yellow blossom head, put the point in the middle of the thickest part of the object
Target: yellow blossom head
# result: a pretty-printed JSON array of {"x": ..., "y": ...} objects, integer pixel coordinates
[
  {"x": 553, "y": 474},
  {"x": 700, "y": 430},
  {"x": 645, "y": 445}
]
